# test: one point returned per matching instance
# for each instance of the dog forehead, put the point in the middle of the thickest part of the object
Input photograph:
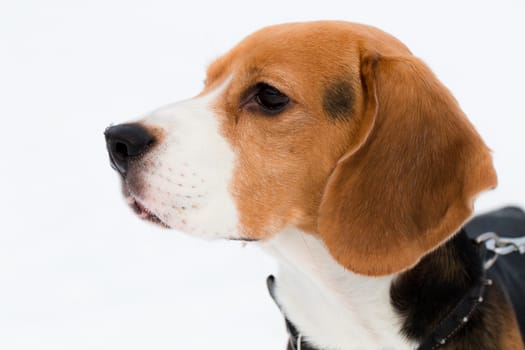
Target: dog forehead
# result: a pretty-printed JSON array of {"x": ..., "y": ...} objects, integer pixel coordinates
[
  {"x": 287, "y": 45},
  {"x": 317, "y": 49}
]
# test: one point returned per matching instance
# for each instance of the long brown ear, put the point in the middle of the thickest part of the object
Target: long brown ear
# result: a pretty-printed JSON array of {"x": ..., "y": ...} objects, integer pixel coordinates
[{"x": 408, "y": 182}]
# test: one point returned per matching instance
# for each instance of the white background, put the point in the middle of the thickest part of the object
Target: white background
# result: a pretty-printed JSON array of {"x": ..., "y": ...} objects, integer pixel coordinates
[{"x": 77, "y": 269}]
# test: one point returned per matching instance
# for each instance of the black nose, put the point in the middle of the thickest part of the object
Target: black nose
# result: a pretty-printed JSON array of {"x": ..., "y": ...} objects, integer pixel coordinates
[{"x": 125, "y": 142}]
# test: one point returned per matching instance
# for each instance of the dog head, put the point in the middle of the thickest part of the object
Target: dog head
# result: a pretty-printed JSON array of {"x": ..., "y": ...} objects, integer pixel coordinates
[{"x": 334, "y": 128}]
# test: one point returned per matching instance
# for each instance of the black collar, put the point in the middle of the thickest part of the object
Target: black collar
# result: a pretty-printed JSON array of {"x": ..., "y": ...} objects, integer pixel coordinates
[
  {"x": 446, "y": 329},
  {"x": 458, "y": 317}
]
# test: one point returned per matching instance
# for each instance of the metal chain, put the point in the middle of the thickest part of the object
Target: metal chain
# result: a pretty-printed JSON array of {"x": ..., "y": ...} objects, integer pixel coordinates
[{"x": 500, "y": 246}]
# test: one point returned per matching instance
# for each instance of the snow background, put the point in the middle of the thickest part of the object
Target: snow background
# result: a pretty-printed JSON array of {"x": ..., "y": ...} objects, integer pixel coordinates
[{"x": 77, "y": 269}]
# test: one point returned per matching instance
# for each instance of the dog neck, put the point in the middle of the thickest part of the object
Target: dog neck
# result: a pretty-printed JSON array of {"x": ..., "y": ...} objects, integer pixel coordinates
[{"x": 333, "y": 308}]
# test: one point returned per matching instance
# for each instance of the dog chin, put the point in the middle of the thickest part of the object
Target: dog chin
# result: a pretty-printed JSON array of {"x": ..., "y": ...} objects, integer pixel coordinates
[{"x": 141, "y": 210}]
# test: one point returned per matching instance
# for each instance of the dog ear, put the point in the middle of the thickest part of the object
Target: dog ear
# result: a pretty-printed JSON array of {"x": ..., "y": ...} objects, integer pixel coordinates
[{"x": 408, "y": 180}]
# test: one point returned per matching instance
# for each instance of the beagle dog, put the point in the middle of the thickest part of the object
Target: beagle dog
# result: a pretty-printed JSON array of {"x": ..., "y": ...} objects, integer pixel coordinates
[{"x": 335, "y": 149}]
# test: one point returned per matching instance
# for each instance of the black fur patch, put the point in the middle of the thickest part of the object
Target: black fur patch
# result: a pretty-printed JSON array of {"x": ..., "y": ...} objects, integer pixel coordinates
[
  {"x": 338, "y": 99},
  {"x": 425, "y": 294}
]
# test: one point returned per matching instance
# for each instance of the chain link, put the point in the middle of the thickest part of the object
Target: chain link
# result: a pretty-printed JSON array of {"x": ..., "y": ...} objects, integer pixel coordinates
[{"x": 500, "y": 246}]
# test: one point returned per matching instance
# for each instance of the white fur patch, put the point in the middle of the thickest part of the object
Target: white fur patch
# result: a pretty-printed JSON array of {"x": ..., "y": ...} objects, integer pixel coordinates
[
  {"x": 332, "y": 307},
  {"x": 186, "y": 178},
  {"x": 185, "y": 181}
]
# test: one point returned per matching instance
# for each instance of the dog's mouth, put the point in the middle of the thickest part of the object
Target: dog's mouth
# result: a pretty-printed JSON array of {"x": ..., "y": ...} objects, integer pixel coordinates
[{"x": 143, "y": 212}]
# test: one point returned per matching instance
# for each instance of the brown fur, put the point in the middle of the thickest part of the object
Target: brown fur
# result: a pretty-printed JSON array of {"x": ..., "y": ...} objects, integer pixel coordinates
[
  {"x": 373, "y": 155},
  {"x": 383, "y": 186},
  {"x": 412, "y": 183}
]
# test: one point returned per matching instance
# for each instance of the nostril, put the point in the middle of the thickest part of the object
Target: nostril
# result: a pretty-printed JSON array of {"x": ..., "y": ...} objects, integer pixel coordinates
[{"x": 121, "y": 150}]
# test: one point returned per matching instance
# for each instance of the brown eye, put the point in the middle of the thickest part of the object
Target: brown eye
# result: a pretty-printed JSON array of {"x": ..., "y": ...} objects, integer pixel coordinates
[{"x": 270, "y": 99}]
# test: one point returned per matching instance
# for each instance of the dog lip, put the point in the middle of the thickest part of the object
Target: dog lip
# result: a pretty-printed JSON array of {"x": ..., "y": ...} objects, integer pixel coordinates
[
  {"x": 243, "y": 239},
  {"x": 143, "y": 212}
]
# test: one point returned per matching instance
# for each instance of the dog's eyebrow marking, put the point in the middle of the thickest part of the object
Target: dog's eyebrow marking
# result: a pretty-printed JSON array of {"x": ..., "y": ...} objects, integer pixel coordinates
[{"x": 338, "y": 99}]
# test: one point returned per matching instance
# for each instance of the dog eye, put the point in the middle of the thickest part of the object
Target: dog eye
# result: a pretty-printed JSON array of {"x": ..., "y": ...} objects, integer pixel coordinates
[{"x": 270, "y": 99}]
